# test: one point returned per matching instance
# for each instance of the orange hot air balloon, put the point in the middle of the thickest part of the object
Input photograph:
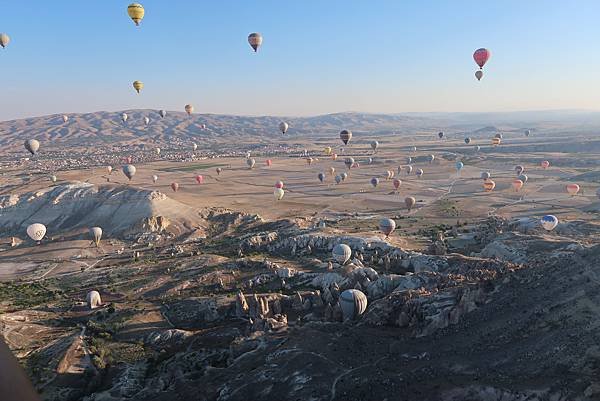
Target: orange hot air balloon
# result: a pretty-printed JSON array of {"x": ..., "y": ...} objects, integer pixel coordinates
[
  {"x": 545, "y": 164},
  {"x": 572, "y": 189},
  {"x": 496, "y": 141},
  {"x": 481, "y": 56},
  {"x": 517, "y": 185},
  {"x": 489, "y": 185},
  {"x": 174, "y": 186},
  {"x": 269, "y": 162},
  {"x": 199, "y": 179},
  {"x": 334, "y": 156}
]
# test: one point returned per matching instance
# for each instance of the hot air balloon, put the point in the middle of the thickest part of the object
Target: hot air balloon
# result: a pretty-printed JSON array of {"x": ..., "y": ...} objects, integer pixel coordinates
[
  {"x": 481, "y": 56},
  {"x": 93, "y": 300},
  {"x": 309, "y": 160},
  {"x": 572, "y": 189},
  {"x": 489, "y": 185},
  {"x": 496, "y": 141},
  {"x": 136, "y": 12},
  {"x": 374, "y": 182},
  {"x": 549, "y": 222},
  {"x": 65, "y": 118},
  {"x": 345, "y": 136},
  {"x": 414, "y": 149},
  {"x": 477, "y": 148},
  {"x": 199, "y": 179},
  {"x": 419, "y": 173},
  {"x": 517, "y": 185},
  {"x": 498, "y": 135},
  {"x": 146, "y": 120},
  {"x": 283, "y": 127},
  {"x": 138, "y": 85},
  {"x": 154, "y": 178},
  {"x": 467, "y": 140},
  {"x": 129, "y": 171},
  {"x": 174, "y": 186},
  {"x": 32, "y": 146},
  {"x": 334, "y": 156},
  {"x": 268, "y": 162},
  {"x": 332, "y": 170},
  {"x": 53, "y": 178},
  {"x": 4, "y": 40},
  {"x": 479, "y": 75},
  {"x": 390, "y": 175},
  {"x": 219, "y": 169},
  {"x": 194, "y": 147},
  {"x": 523, "y": 178},
  {"x": 485, "y": 175},
  {"x": 321, "y": 177},
  {"x": 157, "y": 150},
  {"x": 397, "y": 183},
  {"x": 250, "y": 163},
  {"x": 431, "y": 158},
  {"x": 519, "y": 169},
  {"x": 349, "y": 162},
  {"x": 255, "y": 40},
  {"x": 387, "y": 226},
  {"x": 278, "y": 193},
  {"x": 36, "y": 231},
  {"x": 374, "y": 146},
  {"x": 527, "y": 132},
  {"x": 279, "y": 184},
  {"x": 409, "y": 202},
  {"x": 96, "y": 234},
  {"x": 545, "y": 164},
  {"x": 327, "y": 150},
  {"x": 124, "y": 117},
  {"x": 440, "y": 135},
  {"x": 162, "y": 113},
  {"x": 341, "y": 253},
  {"x": 409, "y": 169},
  {"x": 189, "y": 109},
  {"x": 344, "y": 176},
  {"x": 399, "y": 169},
  {"x": 459, "y": 165},
  {"x": 338, "y": 179},
  {"x": 353, "y": 304}
]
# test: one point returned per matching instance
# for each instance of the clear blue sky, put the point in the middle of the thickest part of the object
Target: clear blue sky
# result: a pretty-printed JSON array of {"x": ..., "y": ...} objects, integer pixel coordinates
[{"x": 318, "y": 56}]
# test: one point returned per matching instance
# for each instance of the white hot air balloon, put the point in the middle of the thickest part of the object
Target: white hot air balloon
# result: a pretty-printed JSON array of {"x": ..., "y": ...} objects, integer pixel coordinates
[
  {"x": 278, "y": 193},
  {"x": 341, "y": 253},
  {"x": 549, "y": 222},
  {"x": 96, "y": 234},
  {"x": 353, "y": 304},
  {"x": 124, "y": 117},
  {"x": 146, "y": 120},
  {"x": 283, "y": 127},
  {"x": 154, "y": 178},
  {"x": 93, "y": 299},
  {"x": 36, "y": 231}
]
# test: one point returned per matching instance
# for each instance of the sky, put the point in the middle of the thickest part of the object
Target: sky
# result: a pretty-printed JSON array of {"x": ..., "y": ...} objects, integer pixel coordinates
[{"x": 317, "y": 57}]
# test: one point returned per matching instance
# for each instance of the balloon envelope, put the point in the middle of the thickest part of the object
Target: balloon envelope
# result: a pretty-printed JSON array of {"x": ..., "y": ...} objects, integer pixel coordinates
[
  {"x": 138, "y": 86},
  {"x": 397, "y": 183},
  {"x": 353, "y": 304},
  {"x": 549, "y": 222},
  {"x": 479, "y": 75},
  {"x": 481, "y": 56},
  {"x": 283, "y": 127},
  {"x": 36, "y": 231},
  {"x": 545, "y": 164},
  {"x": 409, "y": 202},
  {"x": 349, "y": 161},
  {"x": 32, "y": 146},
  {"x": 321, "y": 177},
  {"x": 517, "y": 185},
  {"x": 374, "y": 181},
  {"x": 345, "y": 136},
  {"x": 162, "y": 113},
  {"x": 4, "y": 40},
  {"x": 572, "y": 189},
  {"x": 96, "y": 233},
  {"x": 255, "y": 40},
  {"x": 129, "y": 171},
  {"x": 279, "y": 184},
  {"x": 278, "y": 193},
  {"x": 489, "y": 185},
  {"x": 341, "y": 253},
  {"x": 199, "y": 179},
  {"x": 189, "y": 108},
  {"x": 387, "y": 226},
  {"x": 485, "y": 175},
  {"x": 136, "y": 12},
  {"x": 174, "y": 186},
  {"x": 250, "y": 163}
]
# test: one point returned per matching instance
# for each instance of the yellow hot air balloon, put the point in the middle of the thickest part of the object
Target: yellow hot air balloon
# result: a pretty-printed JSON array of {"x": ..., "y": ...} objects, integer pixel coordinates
[
  {"x": 136, "y": 12},
  {"x": 138, "y": 85},
  {"x": 327, "y": 150}
]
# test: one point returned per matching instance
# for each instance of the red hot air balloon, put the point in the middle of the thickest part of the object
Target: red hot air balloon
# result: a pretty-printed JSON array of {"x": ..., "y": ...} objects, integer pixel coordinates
[
  {"x": 269, "y": 162},
  {"x": 199, "y": 179},
  {"x": 279, "y": 184},
  {"x": 397, "y": 183},
  {"x": 174, "y": 186},
  {"x": 481, "y": 56}
]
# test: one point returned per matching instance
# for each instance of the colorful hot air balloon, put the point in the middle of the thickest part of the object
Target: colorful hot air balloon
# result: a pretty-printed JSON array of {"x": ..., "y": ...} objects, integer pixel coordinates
[
  {"x": 129, "y": 171},
  {"x": 321, "y": 177},
  {"x": 269, "y": 162},
  {"x": 278, "y": 193},
  {"x": 136, "y": 12},
  {"x": 32, "y": 146},
  {"x": 334, "y": 156},
  {"x": 549, "y": 222},
  {"x": 36, "y": 231},
  {"x": 485, "y": 175},
  {"x": 4, "y": 40},
  {"x": 489, "y": 185},
  {"x": 496, "y": 141},
  {"x": 199, "y": 179},
  {"x": 397, "y": 183},
  {"x": 517, "y": 185},
  {"x": 327, "y": 151},
  {"x": 189, "y": 109},
  {"x": 255, "y": 40},
  {"x": 409, "y": 202},
  {"x": 419, "y": 173},
  {"x": 389, "y": 175},
  {"x": 481, "y": 56},
  {"x": 138, "y": 85},
  {"x": 345, "y": 136},
  {"x": 96, "y": 233},
  {"x": 374, "y": 182},
  {"x": 572, "y": 189},
  {"x": 174, "y": 186},
  {"x": 387, "y": 226},
  {"x": 283, "y": 127},
  {"x": 498, "y": 135},
  {"x": 279, "y": 184},
  {"x": 479, "y": 75},
  {"x": 545, "y": 164}
]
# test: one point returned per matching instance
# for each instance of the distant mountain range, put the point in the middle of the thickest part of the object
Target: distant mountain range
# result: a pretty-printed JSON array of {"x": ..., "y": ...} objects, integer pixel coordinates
[{"x": 107, "y": 127}]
